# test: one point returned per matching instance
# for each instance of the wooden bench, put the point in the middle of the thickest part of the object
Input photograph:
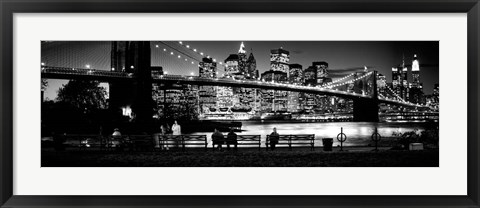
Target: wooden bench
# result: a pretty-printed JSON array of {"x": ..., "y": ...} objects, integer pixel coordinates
[
  {"x": 242, "y": 140},
  {"x": 294, "y": 140},
  {"x": 249, "y": 140},
  {"x": 194, "y": 140},
  {"x": 182, "y": 141},
  {"x": 170, "y": 141}
]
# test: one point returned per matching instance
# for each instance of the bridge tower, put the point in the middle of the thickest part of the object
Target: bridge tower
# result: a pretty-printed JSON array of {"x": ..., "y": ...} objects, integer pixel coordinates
[
  {"x": 366, "y": 109},
  {"x": 132, "y": 57}
]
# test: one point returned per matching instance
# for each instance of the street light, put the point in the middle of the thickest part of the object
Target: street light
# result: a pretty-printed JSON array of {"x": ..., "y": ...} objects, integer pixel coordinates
[
  {"x": 192, "y": 73},
  {"x": 88, "y": 66}
]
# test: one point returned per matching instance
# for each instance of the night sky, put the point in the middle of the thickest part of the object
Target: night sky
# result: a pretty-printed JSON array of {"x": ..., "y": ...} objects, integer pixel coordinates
[{"x": 340, "y": 55}]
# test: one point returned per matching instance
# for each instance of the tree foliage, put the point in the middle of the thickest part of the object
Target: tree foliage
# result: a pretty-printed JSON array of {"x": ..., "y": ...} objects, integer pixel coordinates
[{"x": 86, "y": 96}]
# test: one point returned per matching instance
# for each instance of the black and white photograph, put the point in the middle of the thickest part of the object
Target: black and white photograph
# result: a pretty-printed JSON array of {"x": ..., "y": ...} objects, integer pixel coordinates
[{"x": 239, "y": 103}]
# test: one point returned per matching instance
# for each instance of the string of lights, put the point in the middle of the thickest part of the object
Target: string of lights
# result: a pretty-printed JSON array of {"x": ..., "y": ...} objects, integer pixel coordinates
[
  {"x": 199, "y": 52},
  {"x": 351, "y": 81}
]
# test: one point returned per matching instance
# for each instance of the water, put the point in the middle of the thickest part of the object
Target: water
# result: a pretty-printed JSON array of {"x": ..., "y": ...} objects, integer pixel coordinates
[{"x": 358, "y": 133}]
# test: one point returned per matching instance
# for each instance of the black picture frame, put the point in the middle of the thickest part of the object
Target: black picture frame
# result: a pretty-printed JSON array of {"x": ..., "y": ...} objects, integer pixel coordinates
[{"x": 10, "y": 7}]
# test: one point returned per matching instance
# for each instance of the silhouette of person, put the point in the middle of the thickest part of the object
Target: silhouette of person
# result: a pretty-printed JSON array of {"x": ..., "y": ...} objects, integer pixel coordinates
[
  {"x": 274, "y": 137},
  {"x": 217, "y": 139},
  {"x": 231, "y": 139}
]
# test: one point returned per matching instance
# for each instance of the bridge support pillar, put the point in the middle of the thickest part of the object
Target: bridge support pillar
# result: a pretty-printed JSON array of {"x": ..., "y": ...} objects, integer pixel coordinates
[{"x": 365, "y": 110}]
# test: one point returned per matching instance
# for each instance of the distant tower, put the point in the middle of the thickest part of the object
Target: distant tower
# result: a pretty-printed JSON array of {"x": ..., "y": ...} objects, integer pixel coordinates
[
  {"x": 251, "y": 67},
  {"x": 207, "y": 68},
  {"x": 279, "y": 59},
  {"x": 416, "y": 90},
  {"x": 232, "y": 66},
  {"x": 321, "y": 72},
  {"x": 242, "y": 60},
  {"x": 415, "y": 71}
]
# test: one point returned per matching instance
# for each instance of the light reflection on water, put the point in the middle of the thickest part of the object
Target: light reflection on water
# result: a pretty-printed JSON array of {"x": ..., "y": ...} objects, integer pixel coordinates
[{"x": 358, "y": 133}]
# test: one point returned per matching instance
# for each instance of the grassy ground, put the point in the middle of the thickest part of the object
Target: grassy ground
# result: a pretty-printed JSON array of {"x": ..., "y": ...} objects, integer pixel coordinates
[{"x": 351, "y": 157}]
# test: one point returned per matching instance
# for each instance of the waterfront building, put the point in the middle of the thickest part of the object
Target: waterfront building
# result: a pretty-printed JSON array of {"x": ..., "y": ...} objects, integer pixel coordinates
[
  {"x": 174, "y": 100},
  {"x": 207, "y": 95},
  {"x": 295, "y": 99}
]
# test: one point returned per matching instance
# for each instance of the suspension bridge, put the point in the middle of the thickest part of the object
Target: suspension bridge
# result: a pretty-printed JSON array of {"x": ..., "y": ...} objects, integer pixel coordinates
[{"x": 361, "y": 87}]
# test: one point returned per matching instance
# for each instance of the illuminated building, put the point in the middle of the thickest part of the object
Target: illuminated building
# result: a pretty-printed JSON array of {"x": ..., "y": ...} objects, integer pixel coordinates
[
  {"x": 207, "y": 68},
  {"x": 295, "y": 99},
  {"x": 381, "y": 84},
  {"x": 207, "y": 95},
  {"x": 274, "y": 100},
  {"x": 174, "y": 99},
  {"x": 279, "y": 59},
  {"x": 416, "y": 89},
  {"x": 321, "y": 70},
  {"x": 310, "y": 76},
  {"x": 232, "y": 68},
  {"x": 400, "y": 80},
  {"x": 251, "y": 67},
  {"x": 242, "y": 60},
  {"x": 295, "y": 74}
]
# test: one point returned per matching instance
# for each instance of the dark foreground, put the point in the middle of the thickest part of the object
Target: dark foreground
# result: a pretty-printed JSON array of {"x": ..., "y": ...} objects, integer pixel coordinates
[{"x": 242, "y": 158}]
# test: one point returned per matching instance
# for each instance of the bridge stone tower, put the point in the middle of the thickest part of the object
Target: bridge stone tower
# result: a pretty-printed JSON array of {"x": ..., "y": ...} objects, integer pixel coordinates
[
  {"x": 133, "y": 57},
  {"x": 366, "y": 109}
]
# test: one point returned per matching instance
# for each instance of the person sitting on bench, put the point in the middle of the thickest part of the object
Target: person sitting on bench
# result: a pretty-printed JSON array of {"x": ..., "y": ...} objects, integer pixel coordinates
[
  {"x": 232, "y": 140},
  {"x": 274, "y": 137}
]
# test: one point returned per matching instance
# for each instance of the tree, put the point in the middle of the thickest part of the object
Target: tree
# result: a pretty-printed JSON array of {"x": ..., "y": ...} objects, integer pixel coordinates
[{"x": 83, "y": 95}]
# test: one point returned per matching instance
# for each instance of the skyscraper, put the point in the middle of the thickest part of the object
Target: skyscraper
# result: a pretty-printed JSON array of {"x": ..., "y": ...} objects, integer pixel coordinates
[
  {"x": 295, "y": 99},
  {"x": 321, "y": 68},
  {"x": 251, "y": 67},
  {"x": 242, "y": 60},
  {"x": 416, "y": 88},
  {"x": 279, "y": 59},
  {"x": 279, "y": 69},
  {"x": 207, "y": 95}
]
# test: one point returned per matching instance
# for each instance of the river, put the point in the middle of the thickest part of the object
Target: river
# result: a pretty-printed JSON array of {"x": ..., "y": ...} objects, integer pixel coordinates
[{"x": 358, "y": 133}]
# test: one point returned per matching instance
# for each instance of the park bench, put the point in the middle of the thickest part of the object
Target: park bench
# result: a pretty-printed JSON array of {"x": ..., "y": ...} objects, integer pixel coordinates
[
  {"x": 194, "y": 140},
  {"x": 294, "y": 140},
  {"x": 243, "y": 140},
  {"x": 249, "y": 140},
  {"x": 183, "y": 141}
]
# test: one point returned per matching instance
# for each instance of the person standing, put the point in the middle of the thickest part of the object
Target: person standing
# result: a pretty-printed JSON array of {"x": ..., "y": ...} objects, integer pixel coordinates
[
  {"x": 176, "y": 130},
  {"x": 217, "y": 139},
  {"x": 232, "y": 140},
  {"x": 274, "y": 137}
]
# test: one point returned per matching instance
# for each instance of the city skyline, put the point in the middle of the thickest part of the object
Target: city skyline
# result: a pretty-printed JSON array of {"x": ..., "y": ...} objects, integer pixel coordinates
[{"x": 382, "y": 56}]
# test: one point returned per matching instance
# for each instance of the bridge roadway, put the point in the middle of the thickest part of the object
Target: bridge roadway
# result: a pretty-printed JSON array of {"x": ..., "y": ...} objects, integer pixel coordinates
[{"x": 108, "y": 76}]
